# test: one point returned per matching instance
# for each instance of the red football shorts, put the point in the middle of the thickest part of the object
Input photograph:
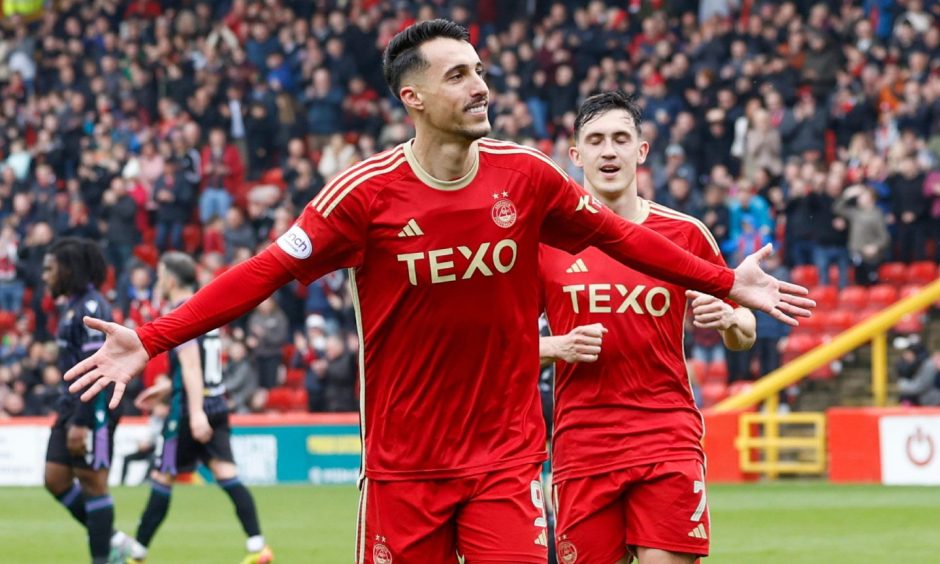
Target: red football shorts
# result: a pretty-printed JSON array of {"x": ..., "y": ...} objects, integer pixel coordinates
[
  {"x": 493, "y": 517},
  {"x": 601, "y": 518}
]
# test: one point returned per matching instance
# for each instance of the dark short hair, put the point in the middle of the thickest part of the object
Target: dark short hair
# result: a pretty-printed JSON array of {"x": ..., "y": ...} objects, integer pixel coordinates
[
  {"x": 402, "y": 56},
  {"x": 80, "y": 264},
  {"x": 181, "y": 266},
  {"x": 605, "y": 102}
]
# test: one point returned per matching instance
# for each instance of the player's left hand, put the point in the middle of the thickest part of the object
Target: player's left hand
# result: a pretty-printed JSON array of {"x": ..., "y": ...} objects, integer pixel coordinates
[
  {"x": 77, "y": 439},
  {"x": 709, "y": 312},
  {"x": 199, "y": 426},
  {"x": 753, "y": 288}
]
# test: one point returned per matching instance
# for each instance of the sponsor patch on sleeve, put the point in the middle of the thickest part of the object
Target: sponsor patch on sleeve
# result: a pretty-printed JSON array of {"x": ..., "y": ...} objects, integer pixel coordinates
[{"x": 296, "y": 243}]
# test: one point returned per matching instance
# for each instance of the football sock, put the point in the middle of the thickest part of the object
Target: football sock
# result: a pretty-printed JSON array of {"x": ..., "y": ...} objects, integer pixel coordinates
[
  {"x": 73, "y": 501},
  {"x": 244, "y": 506},
  {"x": 99, "y": 519},
  {"x": 154, "y": 513}
]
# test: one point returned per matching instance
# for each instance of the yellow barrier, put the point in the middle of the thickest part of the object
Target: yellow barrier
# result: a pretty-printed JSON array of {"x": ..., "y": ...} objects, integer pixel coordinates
[
  {"x": 766, "y": 390},
  {"x": 846, "y": 341}
]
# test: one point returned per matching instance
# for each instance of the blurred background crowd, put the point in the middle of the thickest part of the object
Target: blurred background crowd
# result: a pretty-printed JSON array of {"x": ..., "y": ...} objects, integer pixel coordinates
[{"x": 205, "y": 126}]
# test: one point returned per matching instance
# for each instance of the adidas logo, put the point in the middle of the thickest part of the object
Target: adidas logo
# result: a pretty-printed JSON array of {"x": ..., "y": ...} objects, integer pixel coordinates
[
  {"x": 578, "y": 266},
  {"x": 698, "y": 532},
  {"x": 411, "y": 229},
  {"x": 542, "y": 539}
]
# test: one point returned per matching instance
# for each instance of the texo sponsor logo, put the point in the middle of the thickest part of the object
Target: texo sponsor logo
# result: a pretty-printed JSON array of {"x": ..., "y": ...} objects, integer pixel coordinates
[
  {"x": 438, "y": 264},
  {"x": 639, "y": 300}
]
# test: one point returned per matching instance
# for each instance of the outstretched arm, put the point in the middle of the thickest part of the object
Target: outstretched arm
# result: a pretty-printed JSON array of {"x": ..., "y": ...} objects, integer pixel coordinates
[{"x": 125, "y": 353}]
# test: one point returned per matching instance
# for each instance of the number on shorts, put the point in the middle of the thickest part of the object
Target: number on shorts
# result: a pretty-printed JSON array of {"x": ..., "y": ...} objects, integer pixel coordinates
[
  {"x": 212, "y": 346},
  {"x": 539, "y": 502},
  {"x": 699, "y": 487}
]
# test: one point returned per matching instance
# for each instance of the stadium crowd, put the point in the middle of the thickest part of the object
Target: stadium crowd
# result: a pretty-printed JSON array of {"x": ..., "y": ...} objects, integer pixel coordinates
[{"x": 206, "y": 126}]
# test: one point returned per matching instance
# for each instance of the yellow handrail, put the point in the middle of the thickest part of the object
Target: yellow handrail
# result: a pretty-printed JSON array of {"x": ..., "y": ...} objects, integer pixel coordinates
[{"x": 873, "y": 328}]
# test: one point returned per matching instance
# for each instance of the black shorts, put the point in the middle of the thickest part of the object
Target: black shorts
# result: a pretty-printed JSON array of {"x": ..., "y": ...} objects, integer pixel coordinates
[
  {"x": 183, "y": 453},
  {"x": 99, "y": 446}
]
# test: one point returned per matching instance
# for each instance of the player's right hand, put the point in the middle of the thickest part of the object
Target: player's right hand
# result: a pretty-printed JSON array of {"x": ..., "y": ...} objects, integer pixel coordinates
[
  {"x": 199, "y": 426},
  {"x": 147, "y": 399},
  {"x": 582, "y": 344},
  {"x": 121, "y": 358}
]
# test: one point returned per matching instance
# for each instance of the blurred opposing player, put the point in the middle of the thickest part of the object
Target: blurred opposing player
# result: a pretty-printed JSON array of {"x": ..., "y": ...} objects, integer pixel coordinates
[
  {"x": 627, "y": 459},
  {"x": 78, "y": 457},
  {"x": 441, "y": 235},
  {"x": 196, "y": 428}
]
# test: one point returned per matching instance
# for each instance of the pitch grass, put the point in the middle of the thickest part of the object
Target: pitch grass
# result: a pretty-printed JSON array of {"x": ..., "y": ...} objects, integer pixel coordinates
[{"x": 804, "y": 523}]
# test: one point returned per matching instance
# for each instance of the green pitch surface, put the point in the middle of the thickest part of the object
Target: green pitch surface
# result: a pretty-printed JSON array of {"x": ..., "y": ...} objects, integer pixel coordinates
[{"x": 783, "y": 523}]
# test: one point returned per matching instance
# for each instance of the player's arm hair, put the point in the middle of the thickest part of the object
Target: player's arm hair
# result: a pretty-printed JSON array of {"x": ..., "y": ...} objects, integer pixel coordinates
[
  {"x": 741, "y": 335},
  {"x": 225, "y": 299},
  {"x": 191, "y": 366}
]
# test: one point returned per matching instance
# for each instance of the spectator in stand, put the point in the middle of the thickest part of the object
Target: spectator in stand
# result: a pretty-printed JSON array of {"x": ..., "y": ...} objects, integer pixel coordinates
[
  {"x": 763, "y": 147},
  {"x": 174, "y": 197},
  {"x": 11, "y": 287},
  {"x": 222, "y": 174},
  {"x": 918, "y": 376},
  {"x": 868, "y": 231},
  {"x": 337, "y": 370},
  {"x": 240, "y": 378},
  {"x": 267, "y": 335},
  {"x": 932, "y": 194},
  {"x": 237, "y": 233},
  {"x": 119, "y": 211},
  {"x": 830, "y": 231},
  {"x": 800, "y": 214},
  {"x": 771, "y": 334},
  {"x": 908, "y": 209}
]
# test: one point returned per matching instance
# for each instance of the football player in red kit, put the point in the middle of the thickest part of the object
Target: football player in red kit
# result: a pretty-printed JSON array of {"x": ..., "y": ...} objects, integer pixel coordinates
[
  {"x": 627, "y": 460},
  {"x": 441, "y": 235}
]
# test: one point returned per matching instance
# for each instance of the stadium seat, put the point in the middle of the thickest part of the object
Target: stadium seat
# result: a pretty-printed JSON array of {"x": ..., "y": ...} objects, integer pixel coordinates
[
  {"x": 7, "y": 321},
  {"x": 882, "y": 295},
  {"x": 893, "y": 273},
  {"x": 827, "y": 297},
  {"x": 799, "y": 344},
  {"x": 739, "y": 387},
  {"x": 147, "y": 253},
  {"x": 192, "y": 239},
  {"x": 824, "y": 372},
  {"x": 813, "y": 324},
  {"x": 280, "y": 399},
  {"x": 910, "y": 324},
  {"x": 922, "y": 272},
  {"x": 287, "y": 353},
  {"x": 274, "y": 176},
  {"x": 717, "y": 371},
  {"x": 805, "y": 275},
  {"x": 835, "y": 321},
  {"x": 299, "y": 400},
  {"x": 295, "y": 377},
  {"x": 909, "y": 290},
  {"x": 109, "y": 281},
  {"x": 713, "y": 392},
  {"x": 853, "y": 297}
]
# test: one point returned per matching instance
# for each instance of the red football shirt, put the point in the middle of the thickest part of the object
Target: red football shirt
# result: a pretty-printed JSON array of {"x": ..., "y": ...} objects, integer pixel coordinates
[
  {"x": 634, "y": 405},
  {"x": 445, "y": 280}
]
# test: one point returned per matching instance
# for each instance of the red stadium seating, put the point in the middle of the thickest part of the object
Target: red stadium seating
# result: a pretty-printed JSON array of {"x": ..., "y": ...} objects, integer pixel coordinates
[
  {"x": 853, "y": 297},
  {"x": 909, "y": 290},
  {"x": 192, "y": 239},
  {"x": 713, "y": 392},
  {"x": 882, "y": 295},
  {"x": 295, "y": 378},
  {"x": 893, "y": 273},
  {"x": 812, "y": 324},
  {"x": 280, "y": 399},
  {"x": 922, "y": 272},
  {"x": 910, "y": 323},
  {"x": 827, "y": 297},
  {"x": 147, "y": 253},
  {"x": 799, "y": 344},
  {"x": 717, "y": 371},
  {"x": 836, "y": 321},
  {"x": 739, "y": 387},
  {"x": 805, "y": 275},
  {"x": 7, "y": 321}
]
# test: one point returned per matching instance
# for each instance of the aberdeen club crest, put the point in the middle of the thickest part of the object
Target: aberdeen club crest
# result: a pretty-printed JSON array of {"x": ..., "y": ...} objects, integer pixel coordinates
[{"x": 504, "y": 211}]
